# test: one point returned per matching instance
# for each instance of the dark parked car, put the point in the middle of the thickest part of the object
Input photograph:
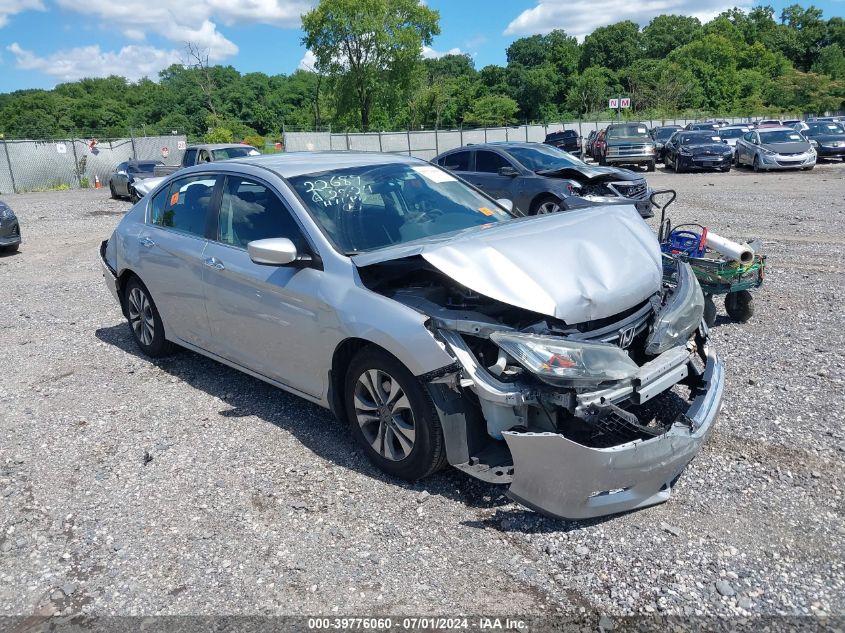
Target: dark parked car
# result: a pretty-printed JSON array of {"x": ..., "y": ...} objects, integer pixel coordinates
[
  {"x": 125, "y": 174},
  {"x": 588, "y": 143},
  {"x": 827, "y": 138},
  {"x": 661, "y": 135},
  {"x": 702, "y": 126},
  {"x": 697, "y": 150},
  {"x": 628, "y": 144},
  {"x": 567, "y": 140},
  {"x": 540, "y": 179},
  {"x": 10, "y": 230},
  {"x": 598, "y": 144}
]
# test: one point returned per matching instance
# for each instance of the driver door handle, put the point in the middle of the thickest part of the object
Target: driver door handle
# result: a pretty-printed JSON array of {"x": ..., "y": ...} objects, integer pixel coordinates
[
  {"x": 213, "y": 262},
  {"x": 145, "y": 241}
]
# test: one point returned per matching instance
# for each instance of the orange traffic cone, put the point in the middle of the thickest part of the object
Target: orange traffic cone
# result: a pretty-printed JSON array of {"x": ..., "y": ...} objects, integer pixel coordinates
[{"x": 97, "y": 184}]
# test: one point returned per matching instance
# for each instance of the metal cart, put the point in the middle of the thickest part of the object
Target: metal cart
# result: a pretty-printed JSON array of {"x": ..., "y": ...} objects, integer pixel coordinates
[{"x": 716, "y": 275}]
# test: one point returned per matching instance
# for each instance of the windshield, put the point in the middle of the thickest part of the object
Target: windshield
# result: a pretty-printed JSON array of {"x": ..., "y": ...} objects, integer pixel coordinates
[
  {"x": 780, "y": 136},
  {"x": 142, "y": 168},
  {"x": 234, "y": 152},
  {"x": 735, "y": 132},
  {"x": 664, "y": 133},
  {"x": 373, "y": 206},
  {"x": 544, "y": 157},
  {"x": 697, "y": 139},
  {"x": 627, "y": 131},
  {"x": 826, "y": 128}
]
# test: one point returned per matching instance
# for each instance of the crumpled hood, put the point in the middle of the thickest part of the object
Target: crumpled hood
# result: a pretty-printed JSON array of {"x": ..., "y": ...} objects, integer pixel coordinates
[
  {"x": 145, "y": 186},
  {"x": 591, "y": 172},
  {"x": 576, "y": 266}
]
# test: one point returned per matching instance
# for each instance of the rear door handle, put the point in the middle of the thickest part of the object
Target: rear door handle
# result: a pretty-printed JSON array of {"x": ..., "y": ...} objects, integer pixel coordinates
[
  {"x": 213, "y": 262},
  {"x": 145, "y": 241}
]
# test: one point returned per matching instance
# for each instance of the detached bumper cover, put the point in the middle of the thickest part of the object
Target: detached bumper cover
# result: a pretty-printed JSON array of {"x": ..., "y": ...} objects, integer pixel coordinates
[
  {"x": 109, "y": 274},
  {"x": 564, "y": 479}
]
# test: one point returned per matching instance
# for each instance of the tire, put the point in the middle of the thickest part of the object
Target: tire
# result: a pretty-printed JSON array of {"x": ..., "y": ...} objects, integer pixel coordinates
[
  {"x": 739, "y": 305},
  {"x": 11, "y": 248},
  {"x": 112, "y": 191},
  {"x": 725, "y": 170},
  {"x": 545, "y": 205},
  {"x": 678, "y": 168},
  {"x": 133, "y": 195},
  {"x": 145, "y": 321},
  {"x": 392, "y": 417},
  {"x": 652, "y": 166},
  {"x": 602, "y": 161},
  {"x": 756, "y": 164},
  {"x": 709, "y": 311}
]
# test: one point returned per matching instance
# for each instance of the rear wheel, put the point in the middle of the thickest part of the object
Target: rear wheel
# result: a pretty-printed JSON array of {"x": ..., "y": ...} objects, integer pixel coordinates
[
  {"x": 392, "y": 417},
  {"x": 546, "y": 205},
  {"x": 144, "y": 320},
  {"x": 739, "y": 305}
]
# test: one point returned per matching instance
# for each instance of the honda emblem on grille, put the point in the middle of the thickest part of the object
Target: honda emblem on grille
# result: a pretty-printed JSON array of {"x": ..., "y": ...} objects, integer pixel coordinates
[{"x": 626, "y": 336}]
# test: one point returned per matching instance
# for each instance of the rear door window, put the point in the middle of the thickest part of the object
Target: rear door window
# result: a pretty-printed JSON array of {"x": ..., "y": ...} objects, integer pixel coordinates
[
  {"x": 459, "y": 161},
  {"x": 184, "y": 205}
]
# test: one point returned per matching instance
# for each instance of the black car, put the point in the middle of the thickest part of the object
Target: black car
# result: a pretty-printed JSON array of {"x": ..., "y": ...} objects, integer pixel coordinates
[
  {"x": 827, "y": 137},
  {"x": 697, "y": 150},
  {"x": 539, "y": 178},
  {"x": 708, "y": 126},
  {"x": 125, "y": 174},
  {"x": 567, "y": 140},
  {"x": 10, "y": 230},
  {"x": 660, "y": 135}
]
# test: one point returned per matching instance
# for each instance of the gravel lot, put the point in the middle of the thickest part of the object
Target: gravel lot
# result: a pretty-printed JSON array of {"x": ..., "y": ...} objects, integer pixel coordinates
[{"x": 134, "y": 487}]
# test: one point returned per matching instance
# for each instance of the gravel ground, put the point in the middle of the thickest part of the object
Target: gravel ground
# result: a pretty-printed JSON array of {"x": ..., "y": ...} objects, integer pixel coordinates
[{"x": 134, "y": 487}]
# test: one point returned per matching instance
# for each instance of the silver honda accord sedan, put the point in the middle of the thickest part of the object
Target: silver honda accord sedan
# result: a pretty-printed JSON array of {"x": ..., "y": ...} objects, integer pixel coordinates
[{"x": 548, "y": 353}]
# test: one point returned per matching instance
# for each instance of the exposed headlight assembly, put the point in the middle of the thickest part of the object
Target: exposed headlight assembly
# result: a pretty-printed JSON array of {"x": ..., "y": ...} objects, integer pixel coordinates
[
  {"x": 680, "y": 316},
  {"x": 559, "y": 361}
]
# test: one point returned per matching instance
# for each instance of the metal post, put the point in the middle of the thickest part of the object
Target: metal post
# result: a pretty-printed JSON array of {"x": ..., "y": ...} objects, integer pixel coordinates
[
  {"x": 76, "y": 163},
  {"x": 347, "y": 139},
  {"x": 408, "y": 137},
  {"x": 380, "y": 146},
  {"x": 462, "y": 133},
  {"x": 485, "y": 133},
  {"x": 132, "y": 139},
  {"x": 9, "y": 162},
  {"x": 436, "y": 141},
  {"x": 526, "y": 132}
]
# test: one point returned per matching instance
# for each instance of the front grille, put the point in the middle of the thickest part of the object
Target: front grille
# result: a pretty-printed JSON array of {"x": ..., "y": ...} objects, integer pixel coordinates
[
  {"x": 610, "y": 330},
  {"x": 627, "y": 150},
  {"x": 630, "y": 190}
]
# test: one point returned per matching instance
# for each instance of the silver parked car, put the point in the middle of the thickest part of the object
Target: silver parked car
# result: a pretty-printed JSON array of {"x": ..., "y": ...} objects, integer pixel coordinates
[
  {"x": 774, "y": 148},
  {"x": 545, "y": 352}
]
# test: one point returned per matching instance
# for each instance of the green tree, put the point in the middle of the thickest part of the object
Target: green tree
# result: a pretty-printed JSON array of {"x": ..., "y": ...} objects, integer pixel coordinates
[
  {"x": 712, "y": 60},
  {"x": 665, "y": 33},
  {"x": 591, "y": 90},
  {"x": 369, "y": 46},
  {"x": 492, "y": 110},
  {"x": 615, "y": 46},
  {"x": 830, "y": 62}
]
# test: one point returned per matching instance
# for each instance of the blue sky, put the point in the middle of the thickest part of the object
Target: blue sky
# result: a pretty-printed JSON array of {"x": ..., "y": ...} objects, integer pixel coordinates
[{"x": 45, "y": 42}]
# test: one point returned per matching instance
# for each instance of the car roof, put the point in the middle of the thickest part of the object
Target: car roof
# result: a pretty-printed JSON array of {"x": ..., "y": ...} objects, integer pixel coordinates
[
  {"x": 291, "y": 164},
  {"x": 213, "y": 146},
  {"x": 777, "y": 128}
]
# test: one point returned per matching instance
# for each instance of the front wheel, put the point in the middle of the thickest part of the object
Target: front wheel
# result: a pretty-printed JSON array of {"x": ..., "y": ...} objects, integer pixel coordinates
[
  {"x": 133, "y": 195},
  {"x": 739, "y": 305},
  {"x": 756, "y": 164},
  {"x": 112, "y": 191},
  {"x": 144, "y": 320},
  {"x": 392, "y": 417},
  {"x": 709, "y": 311},
  {"x": 652, "y": 166},
  {"x": 545, "y": 205}
]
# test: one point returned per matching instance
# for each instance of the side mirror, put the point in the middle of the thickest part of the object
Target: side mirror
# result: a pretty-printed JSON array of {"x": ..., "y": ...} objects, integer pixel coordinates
[
  {"x": 505, "y": 202},
  {"x": 275, "y": 251},
  {"x": 508, "y": 171}
]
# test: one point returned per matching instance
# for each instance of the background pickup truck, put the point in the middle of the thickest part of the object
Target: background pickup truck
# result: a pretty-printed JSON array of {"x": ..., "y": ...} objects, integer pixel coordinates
[{"x": 196, "y": 154}]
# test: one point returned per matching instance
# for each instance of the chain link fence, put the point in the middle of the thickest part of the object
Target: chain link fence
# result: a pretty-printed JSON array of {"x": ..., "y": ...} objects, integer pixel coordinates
[
  {"x": 427, "y": 144},
  {"x": 31, "y": 165}
]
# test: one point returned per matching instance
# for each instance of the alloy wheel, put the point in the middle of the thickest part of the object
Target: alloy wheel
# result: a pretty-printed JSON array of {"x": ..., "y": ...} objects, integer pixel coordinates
[
  {"x": 384, "y": 414},
  {"x": 548, "y": 207},
  {"x": 141, "y": 316}
]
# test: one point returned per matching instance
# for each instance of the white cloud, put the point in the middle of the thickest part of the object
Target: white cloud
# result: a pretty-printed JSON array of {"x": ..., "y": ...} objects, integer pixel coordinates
[
  {"x": 430, "y": 53},
  {"x": 132, "y": 62},
  {"x": 308, "y": 61},
  {"x": 581, "y": 17},
  {"x": 12, "y": 7},
  {"x": 189, "y": 20}
]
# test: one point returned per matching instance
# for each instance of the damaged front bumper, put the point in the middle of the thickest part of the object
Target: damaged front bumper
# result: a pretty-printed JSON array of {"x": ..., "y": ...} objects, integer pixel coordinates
[{"x": 563, "y": 478}]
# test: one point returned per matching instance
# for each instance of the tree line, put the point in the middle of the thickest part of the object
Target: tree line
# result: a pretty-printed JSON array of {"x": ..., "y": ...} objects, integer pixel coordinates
[{"x": 369, "y": 75}]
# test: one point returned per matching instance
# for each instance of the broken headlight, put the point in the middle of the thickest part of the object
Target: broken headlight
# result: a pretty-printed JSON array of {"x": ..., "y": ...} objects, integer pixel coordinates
[
  {"x": 680, "y": 316},
  {"x": 562, "y": 362}
]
